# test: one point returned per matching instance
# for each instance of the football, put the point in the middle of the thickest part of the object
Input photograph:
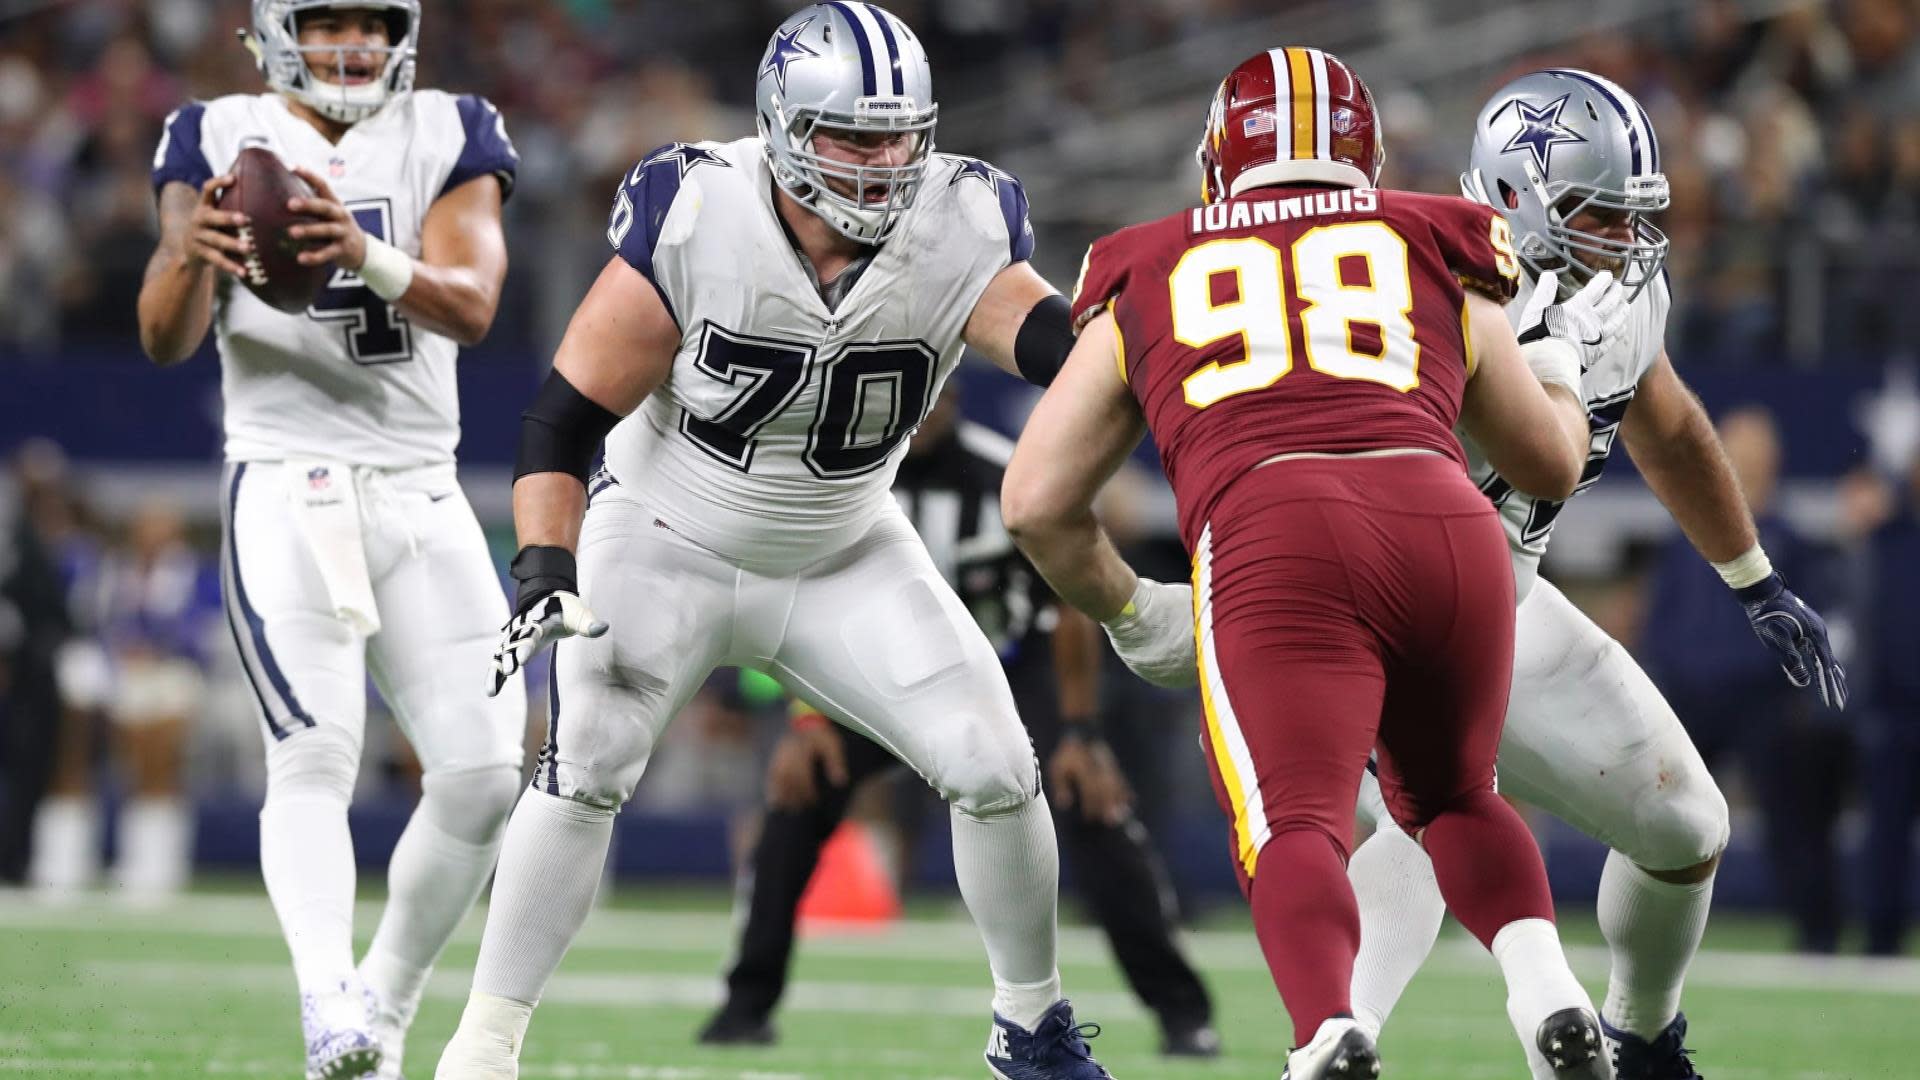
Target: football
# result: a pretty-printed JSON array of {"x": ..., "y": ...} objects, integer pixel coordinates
[{"x": 261, "y": 186}]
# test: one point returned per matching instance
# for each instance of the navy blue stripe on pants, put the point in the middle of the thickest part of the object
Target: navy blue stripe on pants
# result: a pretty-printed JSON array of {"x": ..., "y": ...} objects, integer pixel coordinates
[{"x": 276, "y": 691}]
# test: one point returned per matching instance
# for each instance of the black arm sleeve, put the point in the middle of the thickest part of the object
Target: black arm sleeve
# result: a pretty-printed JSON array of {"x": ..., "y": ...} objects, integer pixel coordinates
[
  {"x": 561, "y": 431},
  {"x": 1046, "y": 337}
]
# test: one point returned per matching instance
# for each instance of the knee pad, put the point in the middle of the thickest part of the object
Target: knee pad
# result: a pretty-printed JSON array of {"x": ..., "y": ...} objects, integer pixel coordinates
[
  {"x": 988, "y": 782},
  {"x": 470, "y": 804},
  {"x": 607, "y": 778},
  {"x": 1683, "y": 828},
  {"x": 316, "y": 762}
]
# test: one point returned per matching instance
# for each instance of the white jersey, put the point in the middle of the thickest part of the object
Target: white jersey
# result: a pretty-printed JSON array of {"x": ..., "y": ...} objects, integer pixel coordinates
[
  {"x": 1609, "y": 387},
  {"x": 778, "y": 433},
  {"x": 350, "y": 380}
]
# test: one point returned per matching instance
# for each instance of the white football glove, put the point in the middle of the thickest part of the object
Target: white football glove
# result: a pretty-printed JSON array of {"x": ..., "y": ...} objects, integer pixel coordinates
[
  {"x": 1154, "y": 634},
  {"x": 548, "y": 608},
  {"x": 1588, "y": 320}
]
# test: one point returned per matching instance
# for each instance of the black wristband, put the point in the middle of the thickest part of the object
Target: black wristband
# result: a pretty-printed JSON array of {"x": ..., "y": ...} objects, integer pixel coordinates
[
  {"x": 1045, "y": 338},
  {"x": 542, "y": 569},
  {"x": 1081, "y": 729}
]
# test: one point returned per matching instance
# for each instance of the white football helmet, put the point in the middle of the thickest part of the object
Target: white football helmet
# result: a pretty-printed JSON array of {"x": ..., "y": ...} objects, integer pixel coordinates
[
  {"x": 853, "y": 67},
  {"x": 1553, "y": 143},
  {"x": 275, "y": 42}
]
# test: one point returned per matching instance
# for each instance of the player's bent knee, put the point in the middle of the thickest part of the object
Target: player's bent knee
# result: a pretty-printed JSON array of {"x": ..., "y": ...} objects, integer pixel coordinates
[
  {"x": 1684, "y": 832},
  {"x": 470, "y": 804},
  {"x": 320, "y": 761},
  {"x": 991, "y": 791}
]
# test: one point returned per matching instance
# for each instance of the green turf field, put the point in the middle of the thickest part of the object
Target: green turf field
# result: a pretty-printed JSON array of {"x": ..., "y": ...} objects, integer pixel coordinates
[{"x": 201, "y": 988}]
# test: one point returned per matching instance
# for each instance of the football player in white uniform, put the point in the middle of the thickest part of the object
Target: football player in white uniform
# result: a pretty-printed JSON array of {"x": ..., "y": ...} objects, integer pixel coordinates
[
  {"x": 350, "y": 548},
  {"x": 778, "y": 316},
  {"x": 1571, "y": 160}
]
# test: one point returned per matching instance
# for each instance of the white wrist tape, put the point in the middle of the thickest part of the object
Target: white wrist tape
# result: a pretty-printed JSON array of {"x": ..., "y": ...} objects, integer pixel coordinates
[
  {"x": 1553, "y": 362},
  {"x": 388, "y": 271},
  {"x": 1744, "y": 570}
]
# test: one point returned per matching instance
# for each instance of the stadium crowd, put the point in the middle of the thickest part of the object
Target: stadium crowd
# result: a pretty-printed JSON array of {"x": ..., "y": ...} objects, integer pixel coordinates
[{"x": 1792, "y": 141}]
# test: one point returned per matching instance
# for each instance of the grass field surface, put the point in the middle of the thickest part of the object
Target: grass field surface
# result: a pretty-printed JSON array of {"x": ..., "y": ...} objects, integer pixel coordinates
[{"x": 201, "y": 988}]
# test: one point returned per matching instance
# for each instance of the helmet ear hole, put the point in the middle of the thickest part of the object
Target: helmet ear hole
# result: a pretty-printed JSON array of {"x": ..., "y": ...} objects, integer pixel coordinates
[{"x": 1509, "y": 196}]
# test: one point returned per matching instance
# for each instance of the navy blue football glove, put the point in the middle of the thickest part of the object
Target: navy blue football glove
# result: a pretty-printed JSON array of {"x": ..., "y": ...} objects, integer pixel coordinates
[{"x": 1798, "y": 637}]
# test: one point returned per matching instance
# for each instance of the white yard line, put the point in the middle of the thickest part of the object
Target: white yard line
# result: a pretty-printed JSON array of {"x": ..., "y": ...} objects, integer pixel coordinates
[{"x": 951, "y": 941}]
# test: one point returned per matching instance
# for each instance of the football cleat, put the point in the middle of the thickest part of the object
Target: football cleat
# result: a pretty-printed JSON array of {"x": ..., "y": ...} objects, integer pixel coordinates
[
  {"x": 731, "y": 1028},
  {"x": 1570, "y": 1041},
  {"x": 1056, "y": 1048},
  {"x": 1340, "y": 1050},
  {"x": 1195, "y": 1040},
  {"x": 341, "y": 1044},
  {"x": 1665, "y": 1057}
]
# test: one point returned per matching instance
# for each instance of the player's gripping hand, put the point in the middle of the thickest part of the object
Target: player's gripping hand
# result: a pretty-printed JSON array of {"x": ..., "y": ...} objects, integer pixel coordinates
[
  {"x": 547, "y": 608},
  {"x": 1588, "y": 320},
  {"x": 214, "y": 236},
  {"x": 1154, "y": 634},
  {"x": 1798, "y": 637},
  {"x": 336, "y": 236}
]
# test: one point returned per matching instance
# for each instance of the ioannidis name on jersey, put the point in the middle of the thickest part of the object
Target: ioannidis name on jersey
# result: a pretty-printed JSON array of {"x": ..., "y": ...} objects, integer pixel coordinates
[{"x": 1247, "y": 213}]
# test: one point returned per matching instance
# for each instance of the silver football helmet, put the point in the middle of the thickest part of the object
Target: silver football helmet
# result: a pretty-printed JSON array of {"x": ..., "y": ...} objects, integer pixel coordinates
[
  {"x": 276, "y": 47},
  {"x": 839, "y": 68},
  {"x": 1551, "y": 144}
]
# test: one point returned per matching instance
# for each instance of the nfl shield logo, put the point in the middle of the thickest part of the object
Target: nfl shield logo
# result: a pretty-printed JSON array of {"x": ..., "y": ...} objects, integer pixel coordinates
[
  {"x": 1343, "y": 120},
  {"x": 336, "y": 167},
  {"x": 318, "y": 479}
]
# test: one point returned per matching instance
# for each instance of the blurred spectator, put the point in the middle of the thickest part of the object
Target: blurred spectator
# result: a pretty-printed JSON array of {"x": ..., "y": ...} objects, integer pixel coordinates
[
  {"x": 1729, "y": 692},
  {"x": 33, "y": 627},
  {"x": 1793, "y": 138},
  {"x": 1892, "y": 629},
  {"x": 160, "y": 609}
]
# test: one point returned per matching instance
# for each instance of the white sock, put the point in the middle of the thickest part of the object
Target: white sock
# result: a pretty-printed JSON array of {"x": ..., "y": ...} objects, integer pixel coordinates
[
  {"x": 1009, "y": 871},
  {"x": 66, "y": 843},
  {"x": 1539, "y": 982},
  {"x": 434, "y": 877},
  {"x": 549, "y": 870},
  {"x": 156, "y": 846},
  {"x": 487, "y": 1042},
  {"x": 1400, "y": 915},
  {"x": 1653, "y": 929},
  {"x": 306, "y": 858}
]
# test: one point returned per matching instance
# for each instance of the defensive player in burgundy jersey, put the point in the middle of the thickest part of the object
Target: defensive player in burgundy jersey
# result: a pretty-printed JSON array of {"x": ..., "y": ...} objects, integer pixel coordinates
[{"x": 1301, "y": 349}]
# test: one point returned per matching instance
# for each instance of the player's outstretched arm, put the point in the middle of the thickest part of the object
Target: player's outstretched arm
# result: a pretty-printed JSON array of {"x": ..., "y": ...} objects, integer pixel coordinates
[
  {"x": 176, "y": 296},
  {"x": 1076, "y": 439},
  {"x": 1022, "y": 324},
  {"x": 453, "y": 288},
  {"x": 1524, "y": 412},
  {"x": 618, "y": 349},
  {"x": 1074, "y": 442},
  {"x": 1673, "y": 444}
]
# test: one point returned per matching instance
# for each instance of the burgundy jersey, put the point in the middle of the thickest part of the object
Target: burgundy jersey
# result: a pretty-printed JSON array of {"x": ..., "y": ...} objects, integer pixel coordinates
[{"x": 1293, "y": 320}]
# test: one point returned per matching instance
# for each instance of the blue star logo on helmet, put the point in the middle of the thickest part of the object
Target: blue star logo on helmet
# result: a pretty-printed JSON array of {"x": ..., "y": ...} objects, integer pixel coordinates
[
  {"x": 1540, "y": 130},
  {"x": 786, "y": 49}
]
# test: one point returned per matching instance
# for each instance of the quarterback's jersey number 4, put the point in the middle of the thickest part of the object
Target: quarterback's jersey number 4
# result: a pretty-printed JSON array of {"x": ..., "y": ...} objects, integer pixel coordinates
[{"x": 376, "y": 331}]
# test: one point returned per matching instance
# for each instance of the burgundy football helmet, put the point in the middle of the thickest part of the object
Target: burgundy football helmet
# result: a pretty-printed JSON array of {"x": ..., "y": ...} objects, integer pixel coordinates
[{"x": 1285, "y": 116}]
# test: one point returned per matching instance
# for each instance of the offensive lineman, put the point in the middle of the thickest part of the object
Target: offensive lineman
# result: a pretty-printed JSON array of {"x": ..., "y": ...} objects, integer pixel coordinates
[
  {"x": 1301, "y": 348},
  {"x": 1571, "y": 160},
  {"x": 778, "y": 316},
  {"x": 349, "y": 547}
]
